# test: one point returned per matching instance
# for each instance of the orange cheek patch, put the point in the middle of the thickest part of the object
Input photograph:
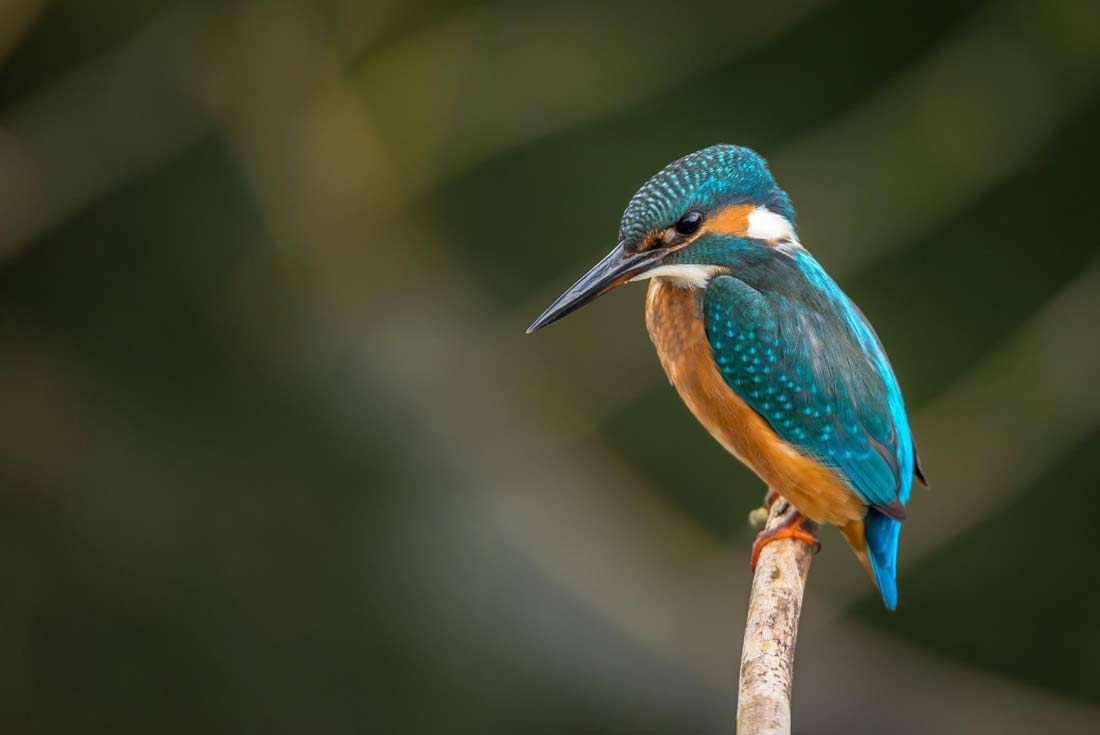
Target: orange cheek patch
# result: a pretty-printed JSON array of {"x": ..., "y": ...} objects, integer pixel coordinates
[{"x": 733, "y": 220}]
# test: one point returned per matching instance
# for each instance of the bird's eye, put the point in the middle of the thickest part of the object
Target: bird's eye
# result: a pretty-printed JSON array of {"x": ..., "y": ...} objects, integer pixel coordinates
[{"x": 689, "y": 223}]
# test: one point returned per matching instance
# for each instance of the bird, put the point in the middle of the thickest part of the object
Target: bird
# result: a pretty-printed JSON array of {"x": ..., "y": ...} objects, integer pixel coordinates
[{"x": 765, "y": 349}]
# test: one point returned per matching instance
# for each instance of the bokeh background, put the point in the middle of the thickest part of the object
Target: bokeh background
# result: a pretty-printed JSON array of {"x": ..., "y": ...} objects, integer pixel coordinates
[{"x": 278, "y": 457}]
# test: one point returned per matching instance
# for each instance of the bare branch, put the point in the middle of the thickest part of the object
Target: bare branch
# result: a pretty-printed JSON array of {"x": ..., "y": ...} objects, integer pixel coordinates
[{"x": 771, "y": 630}]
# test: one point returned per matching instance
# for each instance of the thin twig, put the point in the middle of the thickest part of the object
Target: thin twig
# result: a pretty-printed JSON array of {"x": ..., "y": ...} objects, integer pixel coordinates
[{"x": 767, "y": 657}]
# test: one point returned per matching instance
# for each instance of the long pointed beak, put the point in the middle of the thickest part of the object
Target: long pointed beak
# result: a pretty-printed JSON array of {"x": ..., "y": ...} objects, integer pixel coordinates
[{"x": 617, "y": 267}]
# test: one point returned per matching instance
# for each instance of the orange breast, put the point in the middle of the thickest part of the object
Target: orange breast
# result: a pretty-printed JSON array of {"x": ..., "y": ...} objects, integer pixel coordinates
[{"x": 674, "y": 319}]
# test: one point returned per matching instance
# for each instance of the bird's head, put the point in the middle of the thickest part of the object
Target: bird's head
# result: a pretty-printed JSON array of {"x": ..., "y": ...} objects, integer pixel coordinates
[{"x": 700, "y": 215}]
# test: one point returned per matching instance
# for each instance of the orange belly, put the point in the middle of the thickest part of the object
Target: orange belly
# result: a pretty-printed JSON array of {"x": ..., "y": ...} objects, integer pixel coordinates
[{"x": 675, "y": 323}]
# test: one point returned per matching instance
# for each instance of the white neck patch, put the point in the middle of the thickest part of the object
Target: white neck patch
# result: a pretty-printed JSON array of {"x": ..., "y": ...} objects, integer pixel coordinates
[
  {"x": 685, "y": 275},
  {"x": 767, "y": 225}
]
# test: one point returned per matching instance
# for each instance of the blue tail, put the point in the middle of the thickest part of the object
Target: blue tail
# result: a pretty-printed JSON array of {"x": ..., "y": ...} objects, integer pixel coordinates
[{"x": 881, "y": 533}]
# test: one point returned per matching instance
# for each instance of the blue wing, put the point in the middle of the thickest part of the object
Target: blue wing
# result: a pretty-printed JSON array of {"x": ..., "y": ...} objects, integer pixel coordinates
[{"x": 820, "y": 381}]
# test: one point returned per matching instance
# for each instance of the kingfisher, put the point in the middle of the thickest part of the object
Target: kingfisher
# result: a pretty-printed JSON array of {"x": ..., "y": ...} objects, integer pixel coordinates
[{"x": 766, "y": 350}]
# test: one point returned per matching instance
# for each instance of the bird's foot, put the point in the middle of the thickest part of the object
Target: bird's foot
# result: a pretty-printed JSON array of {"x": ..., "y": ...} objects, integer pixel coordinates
[
  {"x": 794, "y": 525},
  {"x": 758, "y": 517}
]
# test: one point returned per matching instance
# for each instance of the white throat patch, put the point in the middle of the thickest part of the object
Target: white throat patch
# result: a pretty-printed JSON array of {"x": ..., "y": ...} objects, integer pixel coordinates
[{"x": 685, "y": 275}]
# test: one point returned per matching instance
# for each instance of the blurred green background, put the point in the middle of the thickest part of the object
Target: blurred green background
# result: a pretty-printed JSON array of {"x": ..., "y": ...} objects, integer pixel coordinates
[{"x": 278, "y": 457}]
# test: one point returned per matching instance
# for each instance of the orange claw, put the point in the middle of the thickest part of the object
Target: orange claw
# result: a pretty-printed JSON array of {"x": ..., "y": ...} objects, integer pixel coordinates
[{"x": 790, "y": 529}]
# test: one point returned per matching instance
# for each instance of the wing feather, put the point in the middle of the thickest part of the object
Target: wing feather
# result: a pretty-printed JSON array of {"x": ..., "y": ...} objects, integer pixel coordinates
[{"x": 809, "y": 376}]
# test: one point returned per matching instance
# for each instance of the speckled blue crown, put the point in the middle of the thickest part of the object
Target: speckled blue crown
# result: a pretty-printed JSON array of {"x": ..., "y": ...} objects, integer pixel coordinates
[{"x": 719, "y": 175}]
